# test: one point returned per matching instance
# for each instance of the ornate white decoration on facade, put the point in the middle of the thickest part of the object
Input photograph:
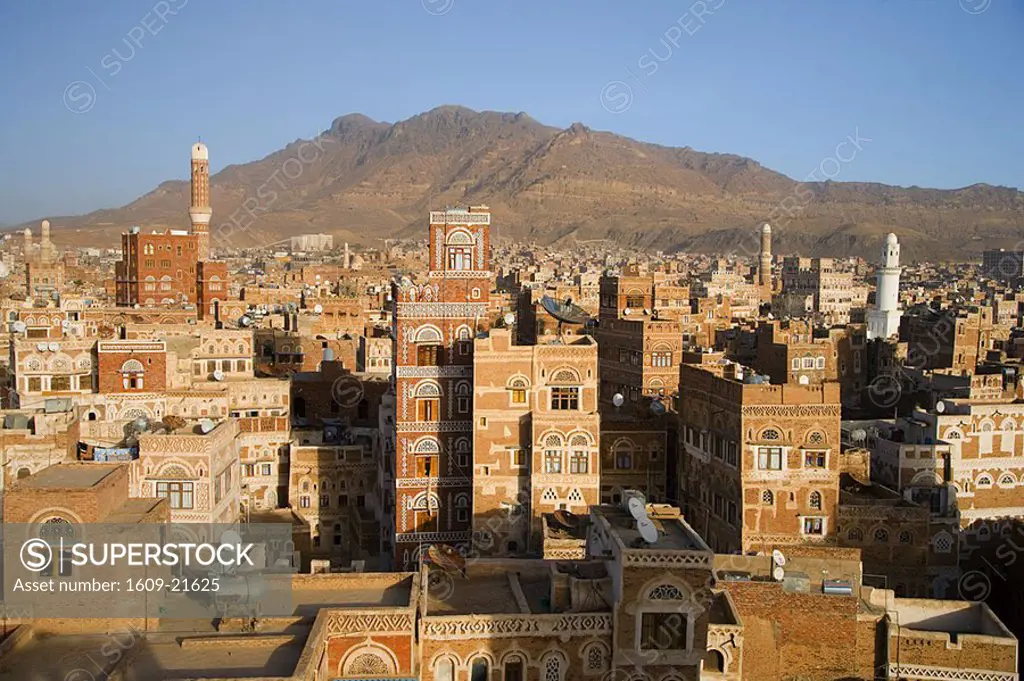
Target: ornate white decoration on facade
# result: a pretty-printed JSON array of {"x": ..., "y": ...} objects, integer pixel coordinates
[
  {"x": 665, "y": 592},
  {"x": 512, "y": 626}
]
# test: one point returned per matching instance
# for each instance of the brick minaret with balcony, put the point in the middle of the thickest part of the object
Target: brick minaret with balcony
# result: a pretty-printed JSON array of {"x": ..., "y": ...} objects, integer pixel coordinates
[
  {"x": 435, "y": 322},
  {"x": 199, "y": 210}
]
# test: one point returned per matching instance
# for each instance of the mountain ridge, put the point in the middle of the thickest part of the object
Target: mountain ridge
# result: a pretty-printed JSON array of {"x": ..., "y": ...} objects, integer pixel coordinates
[{"x": 365, "y": 180}]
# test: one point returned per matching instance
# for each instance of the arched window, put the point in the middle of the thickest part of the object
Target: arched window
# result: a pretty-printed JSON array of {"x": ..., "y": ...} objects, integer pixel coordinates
[
  {"x": 595, "y": 658},
  {"x": 478, "y": 670},
  {"x": 1007, "y": 480},
  {"x": 770, "y": 434},
  {"x": 767, "y": 498},
  {"x": 855, "y": 534},
  {"x": 462, "y": 508},
  {"x": 714, "y": 661},
  {"x": 906, "y": 537},
  {"x": 552, "y": 667},
  {"x": 514, "y": 663},
  {"x": 815, "y": 501},
  {"x": 984, "y": 481},
  {"x": 881, "y": 536},
  {"x": 623, "y": 454}
]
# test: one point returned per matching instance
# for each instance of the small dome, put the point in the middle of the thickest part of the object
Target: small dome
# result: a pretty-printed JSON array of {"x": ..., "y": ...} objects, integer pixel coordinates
[
  {"x": 766, "y": 228},
  {"x": 28, "y": 231},
  {"x": 891, "y": 239},
  {"x": 199, "y": 152}
]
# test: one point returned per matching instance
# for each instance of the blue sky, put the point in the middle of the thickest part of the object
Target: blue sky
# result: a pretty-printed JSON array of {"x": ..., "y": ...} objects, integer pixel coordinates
[{"x": 936, "y": 85}]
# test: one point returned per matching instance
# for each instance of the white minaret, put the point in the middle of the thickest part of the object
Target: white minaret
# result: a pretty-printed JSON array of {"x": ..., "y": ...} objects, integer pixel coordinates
[
  {"x": 884, "y": 317},
  {"x": 199, "y": 210}
]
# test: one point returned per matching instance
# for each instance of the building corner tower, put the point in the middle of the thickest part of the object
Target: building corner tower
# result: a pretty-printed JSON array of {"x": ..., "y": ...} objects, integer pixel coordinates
[
  {"x": 884, "y": 317},
  {"x": 199, "y": 210},
  {"x": 764, "y": 263}
]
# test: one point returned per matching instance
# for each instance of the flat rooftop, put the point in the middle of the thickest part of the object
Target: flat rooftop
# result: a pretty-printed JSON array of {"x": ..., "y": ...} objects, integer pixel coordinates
[
  {"x": 481, "y": 595},
  {"x": 951, "y": 617},
  {"x": 69, "y": 476},
  {"x": 159, "y": 661},
  {"x": 673, "y": 532},
  {"x": 133, "y": 510}
]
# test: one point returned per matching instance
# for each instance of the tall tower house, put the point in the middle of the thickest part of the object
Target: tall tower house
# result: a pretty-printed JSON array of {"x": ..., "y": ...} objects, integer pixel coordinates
[
  {"x": 199, "y": 210},
  {"x": 434, "y": 324},
  {"x": 884, "y": 317},
  {"x": 764, "y": 263}
]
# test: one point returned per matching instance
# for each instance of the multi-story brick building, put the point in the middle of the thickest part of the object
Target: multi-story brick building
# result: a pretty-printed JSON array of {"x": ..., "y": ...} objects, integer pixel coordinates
[
  {"x": 53, "y": 368},
  {"x": 434, "y": 325},
  {"x": 131, "y": 366},
  {"x": 536, "y": 437},
  {"x": 832, "y": 289},
  {"x": 789, "y": 352},
  {"x": 954, "y": 338},
  {"x": 157, "y": 269},
  {"x": 760, "y": 466}
]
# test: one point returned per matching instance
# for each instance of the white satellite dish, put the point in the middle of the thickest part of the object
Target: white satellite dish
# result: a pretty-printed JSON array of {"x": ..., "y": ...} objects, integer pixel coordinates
[
  {"x": 230, "y": 538},
  {"x": 627, "y": 311},
  {"x": 618, "y": 400},
  {"x": 647, "y": 310},
  {"x": 318, "y": 308},
  {"x": 20, "y": 326},
  {"x": 206, "y": 425},
  {"x": 859, "y": 435},
  {"x": 244, "y": 320},
  {"x": 218, "y": 375},
  {"x": 940, "y": 407},
  {"x": 65, "y": 324},
  {"x": 509, "y": 318},
  {"x": 636, "y": 507},
  {"x": 778, "y": 573},
  {"x": 778, "y": 558},
  {"x": 41, "y": 347},
  {"x": 54, "y": 347},
  {"x": 645, "y": 526}
]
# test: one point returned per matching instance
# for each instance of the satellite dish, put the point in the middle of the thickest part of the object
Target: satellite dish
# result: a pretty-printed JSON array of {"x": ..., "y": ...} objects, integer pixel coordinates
[
  {"x": 618, "y": 400},
  {"x": 206, "y": 425},
  {"x": 318, "y": 308},
  {"x": 509, "y": 318},
  {"x": 778, "y": 573},
  {"x": 245, "y": 320},
  {"x": 647, "y": 310},
  {"x": 627, "y": 311},
  {"x": 778, "y": 558},
  {"x": 564, "y": 312},
  {"x": 657, "y": 407},
  {"x": 636, "y": 507},
  {"x": 940, "y": 407},
  {"x": 218, "y": 375},
  {"x": 65, "y": 324},
  {"x": 446, "y": 557},
  {"x": 54, "y": 347},
  {"x": 141, "y": 424},
  {"x": 566, "y": 519},
  {"x": 20, "y": 326},
  {"x": 645, "y": 526},
  {"x": 859, "y": 435},
  {"x": 41, "y": 347},
  {"x": 230, "y": 538}
]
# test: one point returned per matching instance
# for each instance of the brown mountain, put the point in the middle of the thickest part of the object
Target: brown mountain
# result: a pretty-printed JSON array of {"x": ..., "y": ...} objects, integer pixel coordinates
[{"x": 363, "y": 180}]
